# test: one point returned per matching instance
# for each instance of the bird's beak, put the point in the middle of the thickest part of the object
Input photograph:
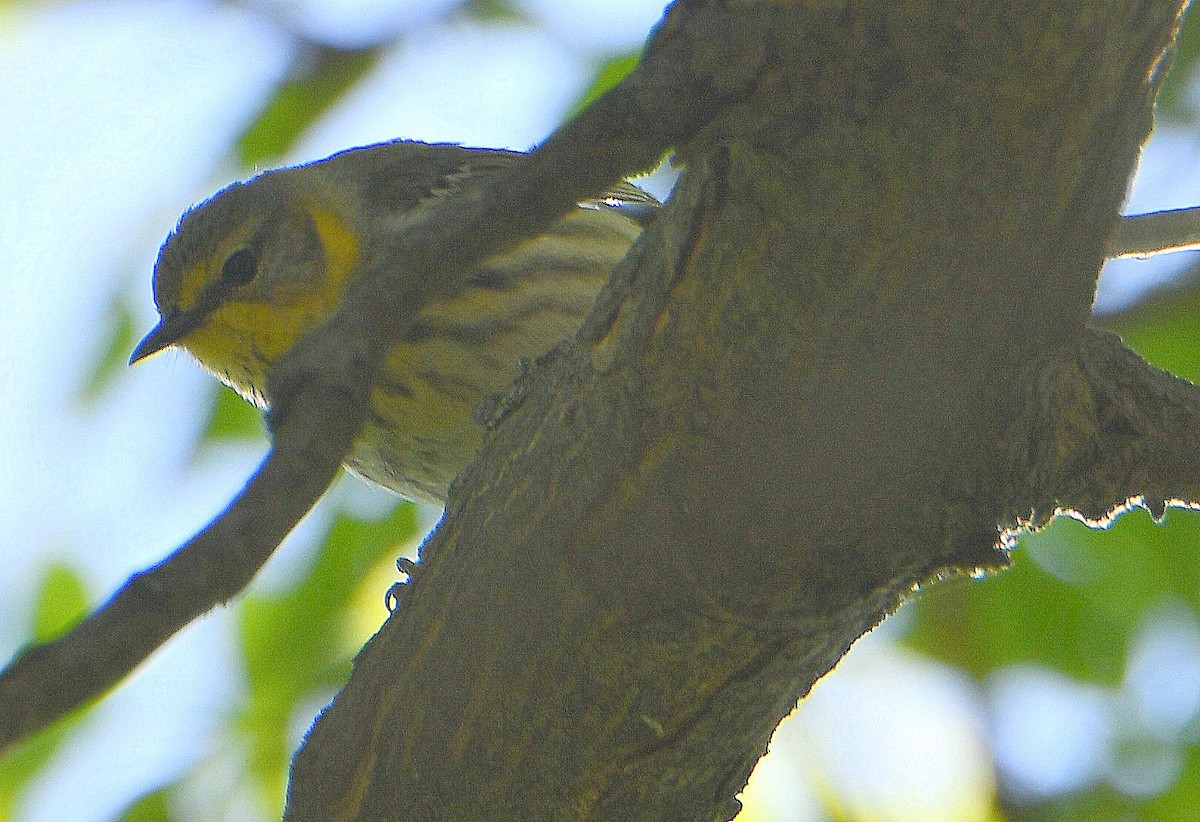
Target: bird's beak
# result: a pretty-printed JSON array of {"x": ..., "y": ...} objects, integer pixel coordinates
[{"x": 170, "y": 330}]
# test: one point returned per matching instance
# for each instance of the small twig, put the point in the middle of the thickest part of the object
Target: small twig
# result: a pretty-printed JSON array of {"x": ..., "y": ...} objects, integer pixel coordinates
[
  {"x": 50, "y": 680},
  {"x": 1159, "y": 232}
]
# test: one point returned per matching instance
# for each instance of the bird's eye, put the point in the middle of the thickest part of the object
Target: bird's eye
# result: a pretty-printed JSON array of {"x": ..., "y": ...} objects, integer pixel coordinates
[{"x": 240, "y": 267}]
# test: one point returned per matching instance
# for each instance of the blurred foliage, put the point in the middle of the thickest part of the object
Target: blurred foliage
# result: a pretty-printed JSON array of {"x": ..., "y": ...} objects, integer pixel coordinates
[
  {"x": 609, "y": 73},
  {"x": 233, "y": 418},
  {"x": 1165, "y": 327},
  {"x": 318, "y": 79},
  {"x": 294, "y": 644},
  {"x": 62, "y": 602},
  {"x": 1104, "y": 804},
  {"x": 1173, "y": 102},
  {"x": 1078, "y": 619},
  {"x": 120, "y": 337},
  {"x": 492, "y": 10},
  {"x": 153, "y": 807},
  {"x": 1181, "y": 801},
  {"x": 21, "y": 765}
]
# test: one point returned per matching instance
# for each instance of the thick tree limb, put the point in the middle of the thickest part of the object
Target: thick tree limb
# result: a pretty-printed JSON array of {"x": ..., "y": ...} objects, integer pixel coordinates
[{"x": 798, "y": 401}]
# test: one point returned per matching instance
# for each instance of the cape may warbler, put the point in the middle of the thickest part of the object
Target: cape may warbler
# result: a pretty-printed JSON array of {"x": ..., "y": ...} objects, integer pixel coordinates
[{"x": 250, "y": 271}]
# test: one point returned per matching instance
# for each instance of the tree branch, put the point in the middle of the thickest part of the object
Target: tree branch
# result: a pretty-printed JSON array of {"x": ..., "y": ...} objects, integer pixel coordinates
[
  {"x": 48, "y": 681},
  {"x": 1159, "y": 232},
  {"x": 1103, "y": 429}
]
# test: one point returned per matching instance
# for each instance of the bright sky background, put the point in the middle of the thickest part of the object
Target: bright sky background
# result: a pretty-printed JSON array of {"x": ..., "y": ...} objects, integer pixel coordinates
[{"x": 117, "y": 116}]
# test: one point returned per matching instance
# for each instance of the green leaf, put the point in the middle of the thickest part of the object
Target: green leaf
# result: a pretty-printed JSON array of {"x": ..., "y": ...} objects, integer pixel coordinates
[
  {"x": 318, "y": 80},
  {"x": 493, "y": 10},
  {"x": 21, "y": 764},
  {"x": 1020, "y": 615},
  {"x": 120, "y": 338},
  {"x": 153, "y": 807},
  {"x": 610, "y": 73},
  {"x": 293, "y": 643},
  {"x": 1101, "y": 804},
  {"x": 61, "y": 603},
  {"x": 1164, "y": 329},
  {"x": 233, "y": 418},
  {"x": 1173, "y": 98}
]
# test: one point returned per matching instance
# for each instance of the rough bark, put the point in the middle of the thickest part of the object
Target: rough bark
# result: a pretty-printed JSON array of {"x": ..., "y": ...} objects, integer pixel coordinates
[{"x": 851, "y": 350}]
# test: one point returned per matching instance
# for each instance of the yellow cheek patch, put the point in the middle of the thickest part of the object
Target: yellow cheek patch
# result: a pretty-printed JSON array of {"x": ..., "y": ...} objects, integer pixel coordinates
[
  {"x": 192, "y": 283},
  {"x": 241, "y": 338},
  {"x": 340, "y": 243}
]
